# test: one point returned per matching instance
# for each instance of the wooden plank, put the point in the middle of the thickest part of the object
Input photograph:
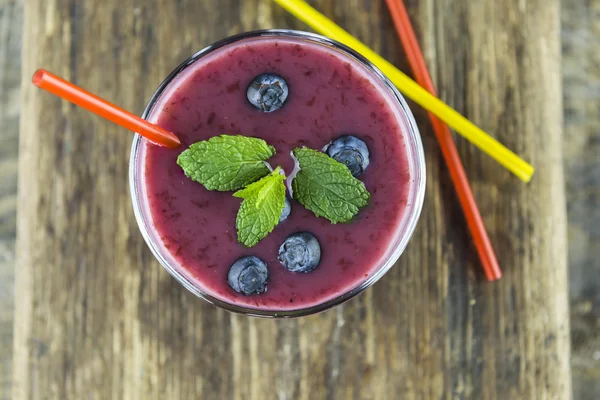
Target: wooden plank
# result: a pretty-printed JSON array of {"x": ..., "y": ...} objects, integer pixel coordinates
[
  {"x": 97, "y": 317},
  {"x": 11, "y": 24}
]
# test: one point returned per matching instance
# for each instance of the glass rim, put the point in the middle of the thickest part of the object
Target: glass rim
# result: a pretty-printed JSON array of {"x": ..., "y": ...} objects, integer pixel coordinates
[{"x": 416, "y": 157}]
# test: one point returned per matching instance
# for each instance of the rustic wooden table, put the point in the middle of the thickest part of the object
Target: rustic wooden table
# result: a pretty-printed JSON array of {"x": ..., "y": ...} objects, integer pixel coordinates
[{"x": 97, "y": 317}]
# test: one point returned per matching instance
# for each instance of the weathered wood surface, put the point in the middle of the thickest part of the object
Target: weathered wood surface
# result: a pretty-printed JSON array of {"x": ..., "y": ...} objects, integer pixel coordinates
[
  {"x": 11, "y": 25},
  {"x": 97, "y": 317},
  {"x": 581, "y": 80}
]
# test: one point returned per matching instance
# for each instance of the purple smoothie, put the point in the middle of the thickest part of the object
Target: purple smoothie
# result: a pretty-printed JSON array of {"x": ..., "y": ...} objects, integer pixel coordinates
[{"x": 330, "y": 95}]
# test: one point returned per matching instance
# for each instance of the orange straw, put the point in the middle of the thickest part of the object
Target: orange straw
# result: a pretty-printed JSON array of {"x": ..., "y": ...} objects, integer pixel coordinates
[
  {"x": 76, "y": 95},
  {"x": 442, "y": 132}
]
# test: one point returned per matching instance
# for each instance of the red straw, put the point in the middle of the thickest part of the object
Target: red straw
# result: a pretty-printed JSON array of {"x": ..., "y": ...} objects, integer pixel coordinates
[
  {"x": 76, "y": 95},
  {"x": 442, "y": 132}
]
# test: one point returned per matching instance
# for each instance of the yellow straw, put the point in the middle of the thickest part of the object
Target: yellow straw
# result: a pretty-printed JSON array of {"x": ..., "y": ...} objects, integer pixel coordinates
[{"x": 413, "y": 90}]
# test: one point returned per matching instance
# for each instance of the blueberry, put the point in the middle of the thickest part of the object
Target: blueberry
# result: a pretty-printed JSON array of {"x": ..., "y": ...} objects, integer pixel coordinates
[
  {"x": 287, "y": 209},
  {"x": 351, "y": 151},
  {"x": 267, "y": 92},
  {"x": 248, "y": 276},
  {"x": 300, "y": 252}
]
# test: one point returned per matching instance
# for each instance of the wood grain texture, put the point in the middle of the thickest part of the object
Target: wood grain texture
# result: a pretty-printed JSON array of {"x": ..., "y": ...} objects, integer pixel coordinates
[
  {"x": 11, "y": 24},
  {"x": 98, "y": 318}
]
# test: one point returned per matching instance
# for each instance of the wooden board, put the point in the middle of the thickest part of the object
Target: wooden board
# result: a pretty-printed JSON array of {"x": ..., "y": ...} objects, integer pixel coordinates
[{"x": 98, "y": 318}]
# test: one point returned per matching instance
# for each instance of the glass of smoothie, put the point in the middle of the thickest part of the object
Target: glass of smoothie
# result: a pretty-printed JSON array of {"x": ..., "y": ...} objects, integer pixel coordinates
[{"x": 333, "y": 96}]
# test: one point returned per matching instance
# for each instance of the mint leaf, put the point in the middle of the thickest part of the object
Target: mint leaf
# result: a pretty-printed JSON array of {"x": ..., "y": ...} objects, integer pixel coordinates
[
  {"x": 226, "y": 162},
  {"x": 326, "y": 187},
  {"x": 261, "y": 208}
]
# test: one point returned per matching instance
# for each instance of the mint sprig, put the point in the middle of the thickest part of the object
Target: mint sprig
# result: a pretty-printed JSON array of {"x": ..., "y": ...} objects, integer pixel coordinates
[
  {"x": 226, "y": 162},
  {"x": 261, "y": 209},
  {"x": 322, "y": 184},
  {"x": 326, "y": 187}
]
